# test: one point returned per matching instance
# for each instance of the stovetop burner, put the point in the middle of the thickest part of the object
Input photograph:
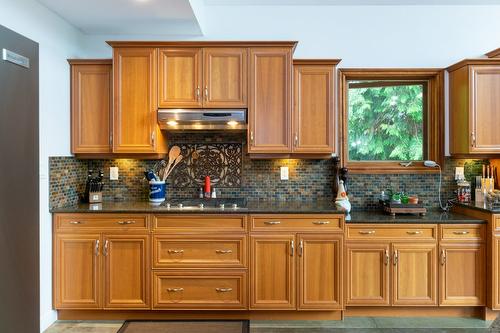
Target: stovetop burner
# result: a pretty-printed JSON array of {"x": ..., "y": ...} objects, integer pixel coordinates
[{"x": 220, "y": 203}]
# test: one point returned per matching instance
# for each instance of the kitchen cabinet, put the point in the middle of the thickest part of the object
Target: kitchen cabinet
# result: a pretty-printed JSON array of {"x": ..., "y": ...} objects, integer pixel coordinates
[
  {"x": 269, "y": 109},
  {"x": 135, "y": 128},
  {"x": 474, "y": 105},
  {"x": 77, "y": 271},
  {"x": 314, "y": 125},
  {"x": 91, "y": 95},
  {"x": 203, "y": 77}
]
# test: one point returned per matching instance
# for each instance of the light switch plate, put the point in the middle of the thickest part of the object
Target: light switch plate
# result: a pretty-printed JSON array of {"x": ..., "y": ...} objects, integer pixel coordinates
[
  {"x": 113, "y": 173},
  {"x": 284, "y": 173}
]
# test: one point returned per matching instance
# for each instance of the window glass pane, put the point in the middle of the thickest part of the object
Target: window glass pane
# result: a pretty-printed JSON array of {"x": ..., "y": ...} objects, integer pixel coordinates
[{"x": 385, "y": 121}]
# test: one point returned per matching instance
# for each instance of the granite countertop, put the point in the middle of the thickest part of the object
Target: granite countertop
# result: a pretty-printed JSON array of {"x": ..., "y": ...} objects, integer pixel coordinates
[
  {"x": 481, "y": 206},
  {"x": 272, "y": 207}
]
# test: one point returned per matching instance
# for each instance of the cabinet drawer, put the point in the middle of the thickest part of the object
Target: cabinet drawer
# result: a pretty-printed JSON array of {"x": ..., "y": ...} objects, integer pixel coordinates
[
  {"x": 391, "y": 232},
  {"x": 199, "y": 251},
  {"x": 85, "y": 221},
  {"x": 474, "y": 232},
  {"x": 320, "y": 223},
  {"x": 496, "y": 223},
  {"x": 197, "y": 223},
  {"x": 200, "y": 290}
]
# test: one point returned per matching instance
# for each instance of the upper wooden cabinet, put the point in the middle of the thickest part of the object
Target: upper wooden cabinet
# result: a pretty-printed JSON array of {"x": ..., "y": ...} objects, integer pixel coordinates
[
  {"x": 269, "y": 112},
  {"x": 313, "y": 107},
  {"x": 474, "y": 106},
  {"x": 135, "y": 128},
  {"x": 91, "y": 91},
  {"x": 203, "y": 77}
]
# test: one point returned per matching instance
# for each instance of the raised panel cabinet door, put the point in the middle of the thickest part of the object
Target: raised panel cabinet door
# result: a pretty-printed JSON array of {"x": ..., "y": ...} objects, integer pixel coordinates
[
  {"x": 495, "y": 272},
  {"x": 180, "y": 78},
  {"x": 484, "y": 109},
  {"x": 77, "y": 271},
  {"x": 320, "y": 262},
  {"x": 269, "y": 113},
  {"x": 272, "y": 284},
  {"x": 367, "y": 274},
  {"x": 313, "y": 112},
  {"x": 91, "y": 93},
  {"x": 135, "y": 105},
  {"x": 225, "y": 77},
  {"x": 414, "y": 277},
  {"x": 126, "y": 267},
  {"x": 462, "y": 274}
]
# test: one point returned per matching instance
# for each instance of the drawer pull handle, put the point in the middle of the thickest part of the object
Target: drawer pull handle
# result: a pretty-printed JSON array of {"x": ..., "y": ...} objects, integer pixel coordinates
[
  {"x": 105, "y": 250},
  {"x": 272, "y": 222},
  {"x": 175, "y": 290},
  {"x": 125, "y": 222},
  {"x": 175, "y": 251},
  {"x": 461, "y": 232},
  {"x": 395, "y": 258},
  {"x": 417, "y": 232},
  {"x": 443, "y": 257},
  {"x": 75, "y": 222},
  {"x": 321, "y": 222},
  {"x": 96, "y": 249},
  {"x": 223, "y": 251},
  {"x": 367, "y": 232},
  {"x": 223, "y": 290},
  {"x": 387, "y": 258}
]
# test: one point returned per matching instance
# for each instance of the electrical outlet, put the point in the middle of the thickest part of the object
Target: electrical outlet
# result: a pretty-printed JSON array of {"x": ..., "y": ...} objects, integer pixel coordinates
[
  {"x": 284, "y": 173},
  {"x": 113, "y": 173}
]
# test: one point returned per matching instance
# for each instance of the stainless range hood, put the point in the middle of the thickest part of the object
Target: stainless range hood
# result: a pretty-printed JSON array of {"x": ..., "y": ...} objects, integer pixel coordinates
[{"x": 202, "y": 119}]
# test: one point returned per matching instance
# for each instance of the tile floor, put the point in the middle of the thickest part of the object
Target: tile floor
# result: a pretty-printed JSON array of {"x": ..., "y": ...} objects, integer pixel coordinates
[{"x": 349, "y": 325}]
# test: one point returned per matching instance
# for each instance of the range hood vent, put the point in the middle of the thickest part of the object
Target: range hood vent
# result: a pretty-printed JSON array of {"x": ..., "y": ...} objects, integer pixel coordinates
[{"x": 202, "y": 119}]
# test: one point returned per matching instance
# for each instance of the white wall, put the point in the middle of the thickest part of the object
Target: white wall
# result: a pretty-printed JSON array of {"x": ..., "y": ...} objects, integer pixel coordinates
[
  {"x": 57, "y": 41},
  {"x": 363, "y": 36}
]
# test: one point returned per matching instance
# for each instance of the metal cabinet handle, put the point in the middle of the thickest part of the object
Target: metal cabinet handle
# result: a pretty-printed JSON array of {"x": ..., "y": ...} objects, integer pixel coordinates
[
  {"x": 251, "y": 138},
  {"x": 417, "y": 232},
  {"x": 321, "y": 222},
  {"x": 175, "y": 251},
  {"x": 175, "y": 290},
  {"x": 223, "y": 251},
  {"x": 465, "y": 232},
  {"x": 387, "y": 257},
  {"x": 472, "y": 139},
  {"x": 301, "y": 248},
  {"x": 105, "y": 250},
  {"x": 206, "y": 93},
  {"x": 296, "y": 140},
  {"x": 272, "y": 222},
  {"x": 223, "y": 290},
  {"x": 75, "y": 222},
  {"x": 153, "y": 137},
  {"x": 367, "y": 232},
  {"x": 292, "y": 249},
  {"x": 96, "y": 250},
  {"x": 125, "y": 222},
  {"x": 197, "y": 92},
  {"x": 443, "y": 257},
  {"x": 395, "y": 258}
]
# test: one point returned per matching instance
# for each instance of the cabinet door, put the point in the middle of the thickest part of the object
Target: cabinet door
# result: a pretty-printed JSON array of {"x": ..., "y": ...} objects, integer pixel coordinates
[
  {"x": 313, "y": 113},
  {"x": 462, "y": 274},
  {"x": 180, "y": 78},
  {"x": 91, "y": 107},
  {"x": 367, "y": 274},
  {"x": 77, "y": 271},
  {"x": 225, "y": 77},
  {"x": 269, "y": 114},
  {"x": 320, "y": 272},
  {"x": 126, "y": 271},
  {"x": 135, "y": 112},
  {"x": 414, "y": 274},
  {"x": 272, "y": 272},
  {"x": 495, "y": 271},
  {"x": 485, "y": 107}
]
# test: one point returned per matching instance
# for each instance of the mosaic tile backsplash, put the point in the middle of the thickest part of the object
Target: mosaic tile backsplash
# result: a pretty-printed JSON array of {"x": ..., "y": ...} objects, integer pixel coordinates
[{"x": 223, "y": 158}]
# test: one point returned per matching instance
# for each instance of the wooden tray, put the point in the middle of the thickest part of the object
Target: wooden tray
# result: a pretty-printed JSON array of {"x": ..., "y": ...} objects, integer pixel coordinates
[{"x": 394, "y": 209}]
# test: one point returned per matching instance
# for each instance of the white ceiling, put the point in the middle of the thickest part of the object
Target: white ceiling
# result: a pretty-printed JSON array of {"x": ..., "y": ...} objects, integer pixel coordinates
[
  {"x": 155, "y": 17},
  {"x": 350, "y": 2}
]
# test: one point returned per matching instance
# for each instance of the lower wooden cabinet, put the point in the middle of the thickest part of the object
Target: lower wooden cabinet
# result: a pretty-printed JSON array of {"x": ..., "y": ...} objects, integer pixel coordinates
[
  {"x": 274, "y": 283},
  {"x": 98, "y": 271},
  {"x": 199, "y": 290},
  {"x": 462, "y": 274}
]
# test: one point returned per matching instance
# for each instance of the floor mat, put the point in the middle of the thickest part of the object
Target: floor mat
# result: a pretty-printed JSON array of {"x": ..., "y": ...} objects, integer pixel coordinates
[{"x": 185, "y": 327}]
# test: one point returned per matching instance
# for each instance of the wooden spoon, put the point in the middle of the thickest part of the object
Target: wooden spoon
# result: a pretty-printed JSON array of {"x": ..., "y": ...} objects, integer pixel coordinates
[
  {"x": 177, "y": 160},
  {"x": 172, "y": 155}
]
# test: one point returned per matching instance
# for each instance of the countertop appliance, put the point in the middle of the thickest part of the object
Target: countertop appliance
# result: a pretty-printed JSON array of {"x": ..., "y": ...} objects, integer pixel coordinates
[
  {"x": 202, "y": 119},
  {"x": 19, "y": 190},
  {"x": 206, "y": 204}
]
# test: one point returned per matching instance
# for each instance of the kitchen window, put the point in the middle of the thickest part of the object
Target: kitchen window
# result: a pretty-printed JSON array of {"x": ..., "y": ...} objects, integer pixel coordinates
[{"x": 391, "y": 119}]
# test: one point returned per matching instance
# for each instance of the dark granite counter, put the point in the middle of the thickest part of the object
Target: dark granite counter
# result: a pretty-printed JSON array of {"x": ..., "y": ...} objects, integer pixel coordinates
[
  {"x": 271, "y": 207},
  {"x": 483, "y": 207}
]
